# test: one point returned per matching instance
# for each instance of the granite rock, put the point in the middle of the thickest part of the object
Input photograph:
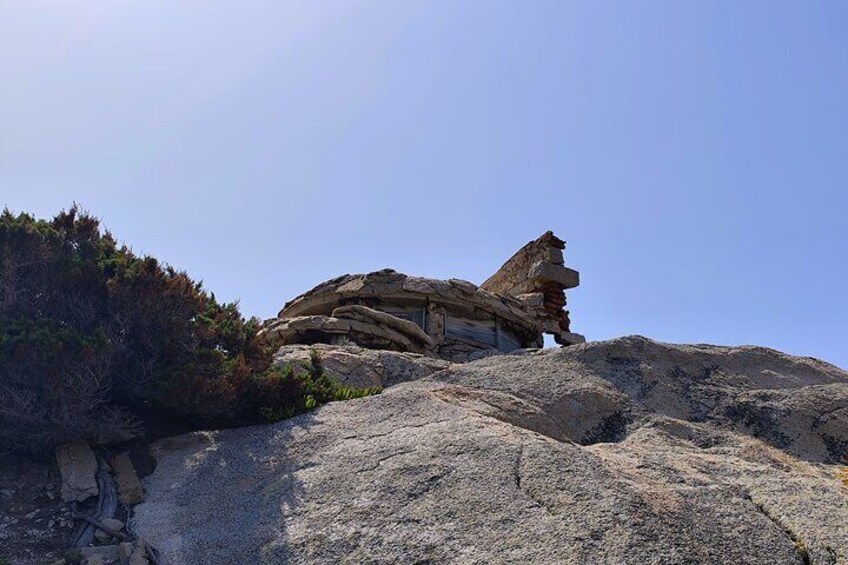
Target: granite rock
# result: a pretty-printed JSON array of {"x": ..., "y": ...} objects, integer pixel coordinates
[
  {"x": 78, "y": 467},
  {"x": 626, "y": 451}
]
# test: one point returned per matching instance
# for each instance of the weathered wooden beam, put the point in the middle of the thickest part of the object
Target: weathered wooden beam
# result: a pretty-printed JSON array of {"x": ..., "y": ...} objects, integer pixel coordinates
[{"x": 107, "y": 504}]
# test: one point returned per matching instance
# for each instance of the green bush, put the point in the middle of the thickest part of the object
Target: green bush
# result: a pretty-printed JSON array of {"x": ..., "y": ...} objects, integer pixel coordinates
[
  {"x": 315, "y": 388},
  {"x": 95, "y": 341}
]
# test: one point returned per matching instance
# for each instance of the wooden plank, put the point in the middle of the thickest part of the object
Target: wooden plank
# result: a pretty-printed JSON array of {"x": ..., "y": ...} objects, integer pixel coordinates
[
  {"x": 414, "y": 314},
  {"x": 508, "y": 341},
  {"x": 481, "y": 331}
]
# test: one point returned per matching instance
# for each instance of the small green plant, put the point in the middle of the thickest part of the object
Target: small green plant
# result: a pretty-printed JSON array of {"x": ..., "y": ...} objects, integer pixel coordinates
[
  {"x": 72, "y": 556},
  {"x": 304, "y": 390},
  {"x": 349, "y": 393}
]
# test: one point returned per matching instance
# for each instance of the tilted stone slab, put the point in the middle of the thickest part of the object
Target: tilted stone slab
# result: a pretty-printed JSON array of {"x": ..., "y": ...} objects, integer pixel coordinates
[
  {"x": 130, "y": 490},
  {"x": 78, "y": 467},
  {"x": 406, "y": 327}
]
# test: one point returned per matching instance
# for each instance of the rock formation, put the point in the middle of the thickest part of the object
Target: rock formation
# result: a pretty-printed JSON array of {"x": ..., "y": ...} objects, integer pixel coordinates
[
  {"x": 627, "y": 451},
  {"x": 537, "y": 276},
  {"x": 358, "y": 367},
  {"x": 453, "y": 319}
]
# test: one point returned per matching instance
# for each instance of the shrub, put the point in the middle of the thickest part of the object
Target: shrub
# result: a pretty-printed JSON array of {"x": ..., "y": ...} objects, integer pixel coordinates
[
  {"x": 95, "y": 340},
  {"x": 314, "y": 387}
]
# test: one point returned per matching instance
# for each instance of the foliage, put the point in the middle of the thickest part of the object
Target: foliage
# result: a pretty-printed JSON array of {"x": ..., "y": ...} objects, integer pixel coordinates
[
  {"x": 95, "y": 340},
  {"x": 316, "y": 388}
]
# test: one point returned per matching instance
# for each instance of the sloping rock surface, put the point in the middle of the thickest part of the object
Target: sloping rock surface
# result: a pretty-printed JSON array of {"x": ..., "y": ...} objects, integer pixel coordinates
[
  {"x": 626, "y": 451},
  {"x": 356, "y": 366}
]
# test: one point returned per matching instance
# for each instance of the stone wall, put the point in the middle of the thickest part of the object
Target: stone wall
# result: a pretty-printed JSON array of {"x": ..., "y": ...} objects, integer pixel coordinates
[{"x": 536, "y": 274}]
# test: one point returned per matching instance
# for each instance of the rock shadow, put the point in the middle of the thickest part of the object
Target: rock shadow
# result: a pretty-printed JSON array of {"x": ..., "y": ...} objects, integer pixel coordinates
[{"x": 251, "y": 486}]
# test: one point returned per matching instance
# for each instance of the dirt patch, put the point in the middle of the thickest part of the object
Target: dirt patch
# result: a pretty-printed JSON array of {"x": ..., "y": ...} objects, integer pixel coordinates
[{"x": 35, "y": 523}]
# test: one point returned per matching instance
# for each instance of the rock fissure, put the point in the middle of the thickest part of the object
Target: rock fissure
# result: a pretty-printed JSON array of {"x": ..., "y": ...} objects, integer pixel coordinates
[
  {"x": 404, "y": 427},
  {"x": 506, "y": 408},
  {"x": 797, "y": 542},
  {"x": 382, "y": 460},
  {"x": 518, "y": 473}
]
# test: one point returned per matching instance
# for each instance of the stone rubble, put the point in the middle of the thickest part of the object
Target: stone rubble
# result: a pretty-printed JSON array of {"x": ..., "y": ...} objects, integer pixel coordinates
[
  {"x": 111, "y": 523},
  {"x": 78, "y": 465}
]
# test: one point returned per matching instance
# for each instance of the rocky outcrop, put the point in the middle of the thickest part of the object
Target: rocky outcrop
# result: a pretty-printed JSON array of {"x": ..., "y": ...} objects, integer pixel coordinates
[
  {"x": 358, "y": 367},
  {"x": 627, "y": 451}
]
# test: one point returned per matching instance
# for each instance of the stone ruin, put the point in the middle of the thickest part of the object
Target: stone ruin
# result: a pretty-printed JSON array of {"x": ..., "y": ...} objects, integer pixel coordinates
[{"x": 453, "y": 320}]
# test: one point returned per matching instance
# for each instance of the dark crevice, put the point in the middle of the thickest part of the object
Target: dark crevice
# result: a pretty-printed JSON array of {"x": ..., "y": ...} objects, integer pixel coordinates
[
  {"x": 381, "y": 460},
  {"x": 519, "y": 462},
  {"x": 612, "y": 429},
  {"x": 403, "y": 427},
  {"x": 795, "y": 539}
]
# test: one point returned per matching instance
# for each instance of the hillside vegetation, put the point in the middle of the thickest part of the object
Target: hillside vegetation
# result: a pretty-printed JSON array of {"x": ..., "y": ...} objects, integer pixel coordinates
[{"x": 96, "y": 342}]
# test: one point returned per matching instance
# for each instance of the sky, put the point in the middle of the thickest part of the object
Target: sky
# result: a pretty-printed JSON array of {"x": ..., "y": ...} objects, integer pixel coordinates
[{"x": 694, "y": 155}]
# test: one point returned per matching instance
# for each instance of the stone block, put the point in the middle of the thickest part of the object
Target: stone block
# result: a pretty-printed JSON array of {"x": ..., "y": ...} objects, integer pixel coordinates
[
  {"x": 548, "y": 272},
  {"x": 532, "y": 299},
  {"x": 569, "y": 338},
  {"x": 78, "y": 466},
  {"x": 555, "y": 256},
  {"x": 130, "y": 490}
]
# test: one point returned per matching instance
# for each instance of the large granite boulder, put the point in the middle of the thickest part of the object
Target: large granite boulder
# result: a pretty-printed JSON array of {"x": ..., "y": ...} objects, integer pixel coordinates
[
  {"x": 627, "y": 451},
  {"x": 358, "y": 367}
]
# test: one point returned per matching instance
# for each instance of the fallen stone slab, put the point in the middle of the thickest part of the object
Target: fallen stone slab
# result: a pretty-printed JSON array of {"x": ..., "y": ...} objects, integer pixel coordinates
[
  {"x": 409, "y": 329},
  {"x": 130, "y": 490},
  {"x": 78, "y": 466}
]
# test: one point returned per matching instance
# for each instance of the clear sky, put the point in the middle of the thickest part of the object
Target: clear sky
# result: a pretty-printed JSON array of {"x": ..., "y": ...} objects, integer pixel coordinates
[{"x": 693, "y": 154}]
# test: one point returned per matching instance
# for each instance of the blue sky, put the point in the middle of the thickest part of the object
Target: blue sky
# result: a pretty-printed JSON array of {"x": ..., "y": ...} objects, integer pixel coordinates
[{"x": 693, "y": 154}]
